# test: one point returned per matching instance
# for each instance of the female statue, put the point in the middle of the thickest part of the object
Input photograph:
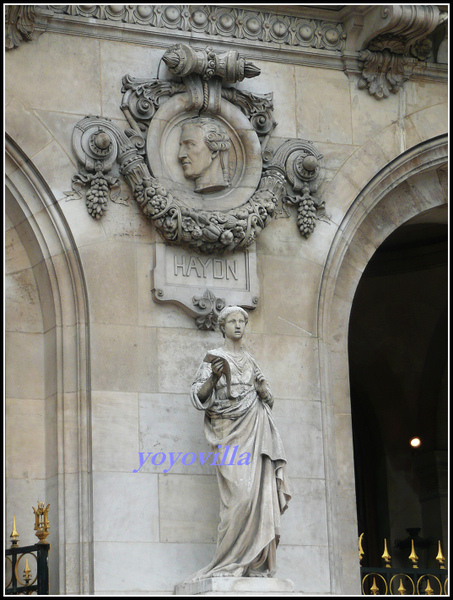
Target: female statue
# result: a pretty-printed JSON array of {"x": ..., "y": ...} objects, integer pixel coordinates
[{"x": 237, "y": 401}]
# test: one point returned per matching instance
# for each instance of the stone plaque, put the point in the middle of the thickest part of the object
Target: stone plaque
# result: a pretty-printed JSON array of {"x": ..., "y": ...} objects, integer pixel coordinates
[{"x": 204, "y": 285}]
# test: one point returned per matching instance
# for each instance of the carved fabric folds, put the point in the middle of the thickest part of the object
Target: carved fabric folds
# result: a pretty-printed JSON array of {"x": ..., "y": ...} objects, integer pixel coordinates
[{"x": 252, "y": 497}]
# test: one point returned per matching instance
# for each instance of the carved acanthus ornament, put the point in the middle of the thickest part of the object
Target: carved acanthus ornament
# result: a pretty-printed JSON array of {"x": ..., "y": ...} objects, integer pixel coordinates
[
  {"x": 399, "y": 39},
  {"x": 230, "y": 218},
  {"x": 19, "y": 24}
]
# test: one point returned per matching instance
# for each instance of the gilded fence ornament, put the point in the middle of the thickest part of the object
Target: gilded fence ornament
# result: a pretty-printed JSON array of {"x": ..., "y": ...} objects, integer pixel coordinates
[
  {"x": 411, "y": 580},
  {"x": 42, "y": 522},
  {"x": 413, "y": 556},
  {"x": 14, "y": 535},
  {"x": 196, "y": 155},
  {"x": 361, "y": 551},
  {"x": 440, "y": 557},
  {"x": 386, "y": 556}
]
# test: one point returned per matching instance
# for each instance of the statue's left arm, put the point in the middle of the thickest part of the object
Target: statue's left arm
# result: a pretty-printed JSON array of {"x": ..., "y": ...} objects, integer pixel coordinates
[{"x": 262, "y": 387}]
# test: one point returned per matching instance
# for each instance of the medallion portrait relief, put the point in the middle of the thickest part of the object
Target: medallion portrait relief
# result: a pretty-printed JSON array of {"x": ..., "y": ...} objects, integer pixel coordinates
[
  {"x": 203, "y": 153},
  {"x": 196, "y": 154}
]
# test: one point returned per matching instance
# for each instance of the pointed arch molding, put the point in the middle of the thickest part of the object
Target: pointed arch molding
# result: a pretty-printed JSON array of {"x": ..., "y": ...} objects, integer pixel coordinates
[
  {"x": 411, "y": 184},
  {"x": 46, "y": 236}
]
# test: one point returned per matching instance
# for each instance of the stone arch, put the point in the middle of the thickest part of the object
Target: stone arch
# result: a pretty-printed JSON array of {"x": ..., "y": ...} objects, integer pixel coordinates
[
  {"x": 53, "y": 256},
  {"x": 409, "y": 185}
]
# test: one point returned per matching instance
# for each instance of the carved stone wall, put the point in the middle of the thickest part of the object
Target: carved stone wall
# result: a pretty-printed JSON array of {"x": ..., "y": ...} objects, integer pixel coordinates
[{"x": 122, "y": 363}]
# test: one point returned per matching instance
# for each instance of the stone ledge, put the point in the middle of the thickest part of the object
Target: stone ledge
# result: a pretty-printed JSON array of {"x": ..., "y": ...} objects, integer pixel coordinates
[{"x": 236, "y": 585}]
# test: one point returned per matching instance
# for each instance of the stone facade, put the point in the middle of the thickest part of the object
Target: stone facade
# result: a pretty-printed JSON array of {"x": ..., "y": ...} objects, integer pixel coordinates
[{"x": 97, "y": 371}]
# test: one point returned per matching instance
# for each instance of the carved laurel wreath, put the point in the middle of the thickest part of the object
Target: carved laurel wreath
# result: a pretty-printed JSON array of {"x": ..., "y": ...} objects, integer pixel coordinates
[{"x": 98, "y": 143}]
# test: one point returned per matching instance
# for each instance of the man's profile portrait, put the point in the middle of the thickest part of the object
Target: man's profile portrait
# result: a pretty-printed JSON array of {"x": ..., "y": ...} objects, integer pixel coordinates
[{"x": 203, "y": 153}]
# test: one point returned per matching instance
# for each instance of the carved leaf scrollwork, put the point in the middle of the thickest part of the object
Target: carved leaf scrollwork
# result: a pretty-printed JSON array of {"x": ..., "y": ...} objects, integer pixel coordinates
[
  {"x": 142, "y": 98},
  {"x": 383, "y": 72},
  {"x": 302, "y": 165},
  {"x": 290, "y": 174},
  {"x": 257, "y": 108},
  {"x": 212, "y": 306},
  {"x": 19, "y": 25},
  {"x": 210, "y": 231},
  {"x": 203, "y": 231}
]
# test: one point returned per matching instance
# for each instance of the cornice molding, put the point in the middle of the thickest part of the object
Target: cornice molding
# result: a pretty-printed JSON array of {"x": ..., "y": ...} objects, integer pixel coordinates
[
  {"x": 219, "y": 22},
  {"x": 286, "y": 34}
]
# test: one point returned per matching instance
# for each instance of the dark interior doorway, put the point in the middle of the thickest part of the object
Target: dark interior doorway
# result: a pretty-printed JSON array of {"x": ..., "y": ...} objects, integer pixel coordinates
[{"x": 398, "y": 341}]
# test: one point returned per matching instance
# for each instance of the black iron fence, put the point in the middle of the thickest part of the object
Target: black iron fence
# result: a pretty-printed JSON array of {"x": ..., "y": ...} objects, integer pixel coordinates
[
  {"x": 23, "y": 579},
  {"x": 27, "y": 567},
  {"x": 410, "y": 581}
]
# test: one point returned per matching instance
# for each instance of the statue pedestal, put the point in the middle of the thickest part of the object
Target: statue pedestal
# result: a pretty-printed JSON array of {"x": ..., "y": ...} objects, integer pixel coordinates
[{"x": 233, "y": 586}]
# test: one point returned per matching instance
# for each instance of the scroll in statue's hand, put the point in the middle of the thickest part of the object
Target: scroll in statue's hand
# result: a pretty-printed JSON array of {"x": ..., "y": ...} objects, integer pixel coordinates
[{"x": 220, "y": 366}]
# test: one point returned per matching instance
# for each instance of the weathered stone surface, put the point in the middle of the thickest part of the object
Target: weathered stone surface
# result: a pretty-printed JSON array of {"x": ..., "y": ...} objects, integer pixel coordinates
[
  {"x": 245, "y": 586},
  {"x": 96, "y": 371}
]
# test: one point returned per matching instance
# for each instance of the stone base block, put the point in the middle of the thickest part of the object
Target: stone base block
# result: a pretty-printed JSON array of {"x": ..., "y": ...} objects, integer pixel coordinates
[{"x": 232, "y": 586}]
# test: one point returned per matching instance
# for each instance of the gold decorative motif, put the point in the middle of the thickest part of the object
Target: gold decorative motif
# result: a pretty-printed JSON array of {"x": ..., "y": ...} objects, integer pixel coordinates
[
  {"x": 401, "y": 588},
  {"x": 428, "y": 589},
  {"x": 42, "y": 522},
  {"x": 27, "y": 572},
  {"x": 28, "y": 580},
  {"x": 374, "y": 588},
  {"x": 402, "y": 591}
]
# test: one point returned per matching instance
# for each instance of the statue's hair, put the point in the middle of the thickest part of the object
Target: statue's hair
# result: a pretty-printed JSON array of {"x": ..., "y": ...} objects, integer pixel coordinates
[
  {"x": 216, "y": 139},
  {"x": 227, "y": 311},
  {"x": 214, "y": 135}
]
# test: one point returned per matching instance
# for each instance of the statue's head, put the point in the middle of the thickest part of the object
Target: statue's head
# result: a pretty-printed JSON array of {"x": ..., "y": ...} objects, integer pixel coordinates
[
  {"x": 229, "y": 313},
  {"x": 203, "y": 153}
]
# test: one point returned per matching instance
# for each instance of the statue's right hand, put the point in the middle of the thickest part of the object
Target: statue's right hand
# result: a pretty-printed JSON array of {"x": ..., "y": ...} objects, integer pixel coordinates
[{"x": 217, "y": 367}]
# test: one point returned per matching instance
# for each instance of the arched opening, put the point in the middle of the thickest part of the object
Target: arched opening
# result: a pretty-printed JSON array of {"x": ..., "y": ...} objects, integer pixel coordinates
[
  {"x": 48, "y": 419},
  {"x": 411, "y": 184},
  {"x": 398, "y": 373}
]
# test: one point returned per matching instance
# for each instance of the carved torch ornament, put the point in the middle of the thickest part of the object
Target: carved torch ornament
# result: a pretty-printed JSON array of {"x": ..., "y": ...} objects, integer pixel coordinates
[{"x": 290, "y": 173}]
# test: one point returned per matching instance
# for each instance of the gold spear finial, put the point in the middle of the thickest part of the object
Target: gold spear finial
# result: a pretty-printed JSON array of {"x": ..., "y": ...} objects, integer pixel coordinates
[
  {"x": 386, "y": 556},
  {"x": 14, "y": 535},
  {"x": 440, "y": 557},
  {"x": 428, "y": 589},
  {"x": 413, "y": 557}
]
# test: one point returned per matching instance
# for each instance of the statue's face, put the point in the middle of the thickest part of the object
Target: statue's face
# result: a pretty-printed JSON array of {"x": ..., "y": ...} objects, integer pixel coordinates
[
  {"x": 234, "y": 326},
  {"x": 193, "y": 153}
]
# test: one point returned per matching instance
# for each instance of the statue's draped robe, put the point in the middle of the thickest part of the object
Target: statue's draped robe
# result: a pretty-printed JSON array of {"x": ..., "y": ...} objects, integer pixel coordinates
[{"x": 253, "y": 496}]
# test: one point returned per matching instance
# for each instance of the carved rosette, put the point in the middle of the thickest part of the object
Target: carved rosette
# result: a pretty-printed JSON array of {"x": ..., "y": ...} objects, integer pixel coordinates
[{"x": 222, "y": 223}]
